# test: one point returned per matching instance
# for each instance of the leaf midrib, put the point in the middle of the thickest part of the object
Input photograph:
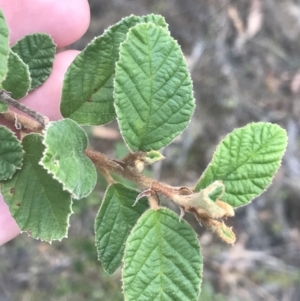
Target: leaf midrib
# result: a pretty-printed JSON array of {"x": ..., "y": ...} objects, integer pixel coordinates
[{"x": 246, "y": 161}]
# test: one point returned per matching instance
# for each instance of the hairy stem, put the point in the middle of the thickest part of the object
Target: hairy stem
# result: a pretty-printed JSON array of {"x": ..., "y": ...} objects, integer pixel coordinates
[
  {"x": 6, "y": 98},
  {"x": 103, "y": 162},
  {"x": 22, "y": 120},
  {"x": 153, "y": 203}
]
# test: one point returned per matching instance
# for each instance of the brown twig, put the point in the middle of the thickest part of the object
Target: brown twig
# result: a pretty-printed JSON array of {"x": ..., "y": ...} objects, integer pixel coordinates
[
  {"x": 22, "y": 120},
  {"x": 103, "y": 162},
  {"x": 6, "y": 98}
]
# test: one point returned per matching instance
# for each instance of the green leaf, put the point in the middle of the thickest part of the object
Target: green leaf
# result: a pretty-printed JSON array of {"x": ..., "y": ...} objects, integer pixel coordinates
[
  {"x": 18, "y": 79},
  {"x": 36, "y": 201},
  {"x": 64, "y": 157},
  {"x": 203, "y": 204},
  {"x": 114, "y": 221},
  {"x": 153, "y": 157},
  {"x": 153, "y": 89},
  {"x": 3, "y": 107},
  {"x": 246, "y": 160},
  {"x": 226, "y": 233},
  {"x": 4, "y": 46},
  {"x": 162, "y": 259},
  {"x": 87, "y": 95},
  {"x": 37, "y": 51},
  {"x": 11, "y": 153},
  {"x": 218, "y": 189}
]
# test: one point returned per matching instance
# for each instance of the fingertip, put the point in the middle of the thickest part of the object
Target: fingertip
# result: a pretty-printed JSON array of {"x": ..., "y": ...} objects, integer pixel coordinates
[
  {"x": 8, "y": 226},
  {"x": 76, "y": 22},
  {"x": 66, "y": 21},
  {"x": 46, "y": 98}
]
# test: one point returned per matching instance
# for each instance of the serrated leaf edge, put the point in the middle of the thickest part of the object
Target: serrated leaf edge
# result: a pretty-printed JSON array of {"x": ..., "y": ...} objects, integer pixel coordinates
[
  {"x": 4, "y": 19},
  {"x": 23, "y": 152},
  {"x": 65, "y": 188},
  {"x": 104, "y": 35},
  {"x": 54, "y": 45},
  {"x": 180, "y": 220},
  {"x": 68, "y": 217},
  {"x": 189, "y": 76},
  {"x": 65, "y": 234},
  {"x": 271, "y": 180},
  {"x": 98, "y": 256},
  {"x": 132, "y": 15},
  {"x": 27, "y": 72}
]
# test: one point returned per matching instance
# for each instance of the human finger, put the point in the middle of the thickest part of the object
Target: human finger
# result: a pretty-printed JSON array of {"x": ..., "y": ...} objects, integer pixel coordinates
[
  {"x": 66, "y": 21},
  {"x": 8, "y": 226},
  {"x": 46, "y": 98}
]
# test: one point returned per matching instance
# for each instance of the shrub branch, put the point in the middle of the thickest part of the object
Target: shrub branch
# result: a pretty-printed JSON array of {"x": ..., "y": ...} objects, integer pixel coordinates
[
  {"x": 6, "y": 98},
  {"x": 102, "y": 162}
]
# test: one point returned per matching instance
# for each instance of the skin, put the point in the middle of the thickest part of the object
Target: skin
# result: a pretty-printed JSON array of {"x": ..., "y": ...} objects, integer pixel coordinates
[{"x": 66, "y": 21}]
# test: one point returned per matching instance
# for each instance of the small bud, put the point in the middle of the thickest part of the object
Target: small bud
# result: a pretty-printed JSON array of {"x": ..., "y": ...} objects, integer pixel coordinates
[
  {"x": 134, "y": 161},
  {"x": 223, "y": 231},
  {"x": 226, "y": 207},
  {"x": 185, "y": 190},
  {"x": 139, "y": 165},
  {"x": 216, "y": 190},
  {"x": 201, "y": 203},
  {"x": 152, "y": 157}
]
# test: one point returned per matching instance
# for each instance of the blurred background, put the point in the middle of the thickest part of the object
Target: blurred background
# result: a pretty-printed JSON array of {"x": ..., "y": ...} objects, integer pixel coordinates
[{"x": 244, "y": 56}]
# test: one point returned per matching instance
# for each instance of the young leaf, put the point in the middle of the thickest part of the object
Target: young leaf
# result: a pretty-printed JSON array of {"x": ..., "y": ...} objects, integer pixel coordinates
[
  {"x": 246, "y": 161},
  {"x": 202, "y": 203},
  {"x": 64, "y": 157},
  {"x": 11, "y": 153},
  {"x": 4, "y": 46},
  {"x": 18, "y": 79},
  {"x": 153, "y": 89},
  {"x": 37, "y": 51},
  {"x": 36, "y": 201},
  {"x": 114, "y": 221},
  {"x": 87, "y": 95},
  {"x": 3, "y": 107},
  {"x": 153, "y": 157},
  {"x": 224, "y": 232},
  {"x": 162, "y": 259}
]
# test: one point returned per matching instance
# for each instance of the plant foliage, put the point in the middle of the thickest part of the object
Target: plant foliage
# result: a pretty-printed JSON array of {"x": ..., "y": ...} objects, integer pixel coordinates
[{"x": 136, "y": 73}]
